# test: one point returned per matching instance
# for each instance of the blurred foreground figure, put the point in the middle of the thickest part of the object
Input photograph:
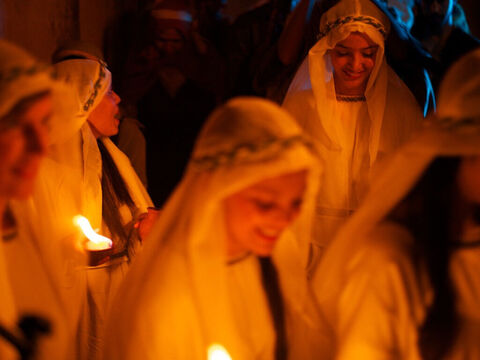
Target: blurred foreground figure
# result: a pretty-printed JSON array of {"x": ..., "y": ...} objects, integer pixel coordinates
[
  {"x": 353, "y": 104},
  {"x": 207, "y": 275},
  {"x": 109, "y": 192},
  {"x": 35, "y": 275},
  {"x": 401, "y": 279}
]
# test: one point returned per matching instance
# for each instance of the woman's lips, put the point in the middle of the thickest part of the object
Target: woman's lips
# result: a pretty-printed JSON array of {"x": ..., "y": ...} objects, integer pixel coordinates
[
  {"x": 352, "y": 75},
  {"x": 268, "y": 237}
]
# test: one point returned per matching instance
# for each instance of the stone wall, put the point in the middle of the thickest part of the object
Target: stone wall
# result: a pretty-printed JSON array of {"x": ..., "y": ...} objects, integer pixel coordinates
[{"x": 41, "y": 25}]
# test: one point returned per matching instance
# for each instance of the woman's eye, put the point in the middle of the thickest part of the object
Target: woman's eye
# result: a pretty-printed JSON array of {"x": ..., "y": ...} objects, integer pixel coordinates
[
  {"x": 341, "y": 53},
  {"x": 264, "y": 205},
  {"x": 297, "y": 204},
  {"x": 368, "y": 55}
]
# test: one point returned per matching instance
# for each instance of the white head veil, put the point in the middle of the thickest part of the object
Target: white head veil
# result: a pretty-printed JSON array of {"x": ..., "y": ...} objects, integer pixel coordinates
[
  {"x": 316, "y": 71},
  {"x": 184, "y": 259},
  {"x": 90, "y": 80},
  {"x": 21, "y": 76},
  {"x": 455, "y": 132}
]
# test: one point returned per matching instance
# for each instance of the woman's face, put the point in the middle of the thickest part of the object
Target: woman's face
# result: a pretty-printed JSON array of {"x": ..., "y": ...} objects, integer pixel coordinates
[
  {"x": 353, "y": 60},
  {"x": 104, "y": 118},
  {"x": 23, "y": 139},
  {"x": 256, "y": 216},
  {"x": 469, "y": 179}
]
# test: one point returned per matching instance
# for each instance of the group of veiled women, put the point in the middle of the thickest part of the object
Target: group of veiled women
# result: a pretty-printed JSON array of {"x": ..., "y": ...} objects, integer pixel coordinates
[{"x": 343, "y": 226}]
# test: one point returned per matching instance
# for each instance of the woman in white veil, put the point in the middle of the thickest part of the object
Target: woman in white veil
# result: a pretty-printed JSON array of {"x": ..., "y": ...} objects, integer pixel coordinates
[
  {"x": 401, "y": 279},
  {"x": 101, "y": 184},
  {"x": 352, "y": 103},
  {"x": 188, "y": 290}
]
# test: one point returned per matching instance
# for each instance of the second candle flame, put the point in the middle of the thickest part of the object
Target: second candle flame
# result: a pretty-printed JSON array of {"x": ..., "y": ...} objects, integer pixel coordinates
[{"x": 97, "y": 241}]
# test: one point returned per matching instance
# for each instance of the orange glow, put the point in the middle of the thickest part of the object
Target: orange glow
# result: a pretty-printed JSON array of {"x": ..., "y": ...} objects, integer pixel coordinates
[
  {"x": 96, "y": 241},
  {"x": 218, "y": 352}
]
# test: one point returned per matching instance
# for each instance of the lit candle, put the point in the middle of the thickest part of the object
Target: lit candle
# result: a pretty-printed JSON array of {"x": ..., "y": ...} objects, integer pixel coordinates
[
  {"x": 218, "y": 352},
  {"x": 98, "y": 247}
]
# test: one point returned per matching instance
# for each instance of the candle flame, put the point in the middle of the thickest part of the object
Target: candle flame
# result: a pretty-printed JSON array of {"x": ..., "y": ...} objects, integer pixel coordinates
[
  {"x": 218, "y": 352},
  {"x": 99, "y": 242}
]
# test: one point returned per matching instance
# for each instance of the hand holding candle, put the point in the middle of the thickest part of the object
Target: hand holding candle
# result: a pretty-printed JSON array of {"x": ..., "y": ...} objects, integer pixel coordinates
[{"x": 146, "y": 221}]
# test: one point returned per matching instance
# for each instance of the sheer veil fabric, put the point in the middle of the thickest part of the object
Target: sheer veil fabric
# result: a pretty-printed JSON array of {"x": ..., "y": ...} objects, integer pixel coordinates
[
  {"x": 455, "y": 131},
  {"x": 175, "y": 301},
  {"x": 381, "y": 123}
]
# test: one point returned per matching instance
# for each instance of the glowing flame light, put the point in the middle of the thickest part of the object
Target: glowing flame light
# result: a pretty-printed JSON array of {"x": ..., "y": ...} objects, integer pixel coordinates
[
  {"x": 218, "y": 352},
  {"x": 97, "y": 242}
]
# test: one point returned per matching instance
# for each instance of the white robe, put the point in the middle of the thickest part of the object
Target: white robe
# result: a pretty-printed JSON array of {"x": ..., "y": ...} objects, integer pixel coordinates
[
  {"x": 105, "y": 279},
  {"x": 348, "y": 169},
  {"x": 385, "y": 300},
  {"x": 47, "y": 265}
]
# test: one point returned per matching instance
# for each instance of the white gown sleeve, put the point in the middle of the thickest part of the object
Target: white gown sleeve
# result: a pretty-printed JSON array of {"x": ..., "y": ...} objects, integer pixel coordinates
[{"x": 382, "y": 302}]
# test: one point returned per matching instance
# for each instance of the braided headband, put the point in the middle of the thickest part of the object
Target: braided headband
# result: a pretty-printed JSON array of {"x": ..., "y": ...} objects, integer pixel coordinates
[
  {"x": 98, "y": 84},
  {"x": 246, "y": 152},
  {"x": 349, "y": 19},
  {"x": 15, "y": 72}
]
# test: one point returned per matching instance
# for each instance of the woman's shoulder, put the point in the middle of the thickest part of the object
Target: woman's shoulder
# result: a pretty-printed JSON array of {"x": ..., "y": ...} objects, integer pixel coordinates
[{"x": 387, "y": 244}]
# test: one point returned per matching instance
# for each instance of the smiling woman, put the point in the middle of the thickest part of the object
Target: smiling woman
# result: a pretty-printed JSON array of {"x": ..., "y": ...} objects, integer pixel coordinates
[
  {"x": 207, "y": 276},
  {"x": 257, "y": 215},
  {"x": 353, "y": 60},
  {"x": 350, "y": 101}
]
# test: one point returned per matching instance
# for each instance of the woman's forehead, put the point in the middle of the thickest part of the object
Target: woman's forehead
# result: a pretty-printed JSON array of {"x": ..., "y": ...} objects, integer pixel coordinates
[{"x": 357, "y": 40}]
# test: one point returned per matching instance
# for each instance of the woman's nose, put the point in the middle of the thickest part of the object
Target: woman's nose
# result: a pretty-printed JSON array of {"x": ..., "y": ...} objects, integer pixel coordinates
[
  {"x": 356, "y": 62},
  {"x": 116, "y": 98}
]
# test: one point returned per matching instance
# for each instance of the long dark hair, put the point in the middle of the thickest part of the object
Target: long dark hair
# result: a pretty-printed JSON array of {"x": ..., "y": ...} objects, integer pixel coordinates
[
  {"x": 114, "y": 195},
  {"x": 431, "y": 211}
]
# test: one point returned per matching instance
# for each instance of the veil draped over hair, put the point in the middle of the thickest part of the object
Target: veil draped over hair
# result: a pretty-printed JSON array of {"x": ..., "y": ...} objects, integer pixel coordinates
[
  {"x": 455, "y": 132},
  {"x": 79, "y": 163},
  {"x": 178, "y": 289},
  {"x": 352, "y": 136}
]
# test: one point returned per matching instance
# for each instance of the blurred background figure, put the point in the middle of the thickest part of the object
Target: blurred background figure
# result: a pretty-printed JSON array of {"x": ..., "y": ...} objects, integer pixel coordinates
[
  {"x": 211, "y": 23},
  {"x": 445, "y": 40},
  {"x": 256, "y": 28},
  {"x": 173, "y": 84},
  {"x": 400, "y": 280}
]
